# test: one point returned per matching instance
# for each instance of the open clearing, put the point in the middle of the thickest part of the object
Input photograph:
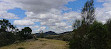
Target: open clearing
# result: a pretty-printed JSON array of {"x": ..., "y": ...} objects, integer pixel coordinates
[{"x": 39, "y": 44}]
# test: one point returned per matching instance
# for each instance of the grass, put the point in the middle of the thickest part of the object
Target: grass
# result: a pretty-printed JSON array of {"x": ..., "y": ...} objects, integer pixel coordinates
[{"x": 39, "y": 44}]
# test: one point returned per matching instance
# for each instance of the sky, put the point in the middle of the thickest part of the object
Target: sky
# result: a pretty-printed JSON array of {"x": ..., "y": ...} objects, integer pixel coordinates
[{"x": 50, "y": 15}]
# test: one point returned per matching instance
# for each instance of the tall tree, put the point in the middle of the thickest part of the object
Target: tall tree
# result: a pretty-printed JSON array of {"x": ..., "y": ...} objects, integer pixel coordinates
[
  {"x": 88, "y": 12},
  {"x": 6, "y": 33}
]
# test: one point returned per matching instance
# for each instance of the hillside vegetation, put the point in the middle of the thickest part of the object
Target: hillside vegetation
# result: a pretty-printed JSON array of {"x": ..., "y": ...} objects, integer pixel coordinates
[{"x": 39, "y": 44}]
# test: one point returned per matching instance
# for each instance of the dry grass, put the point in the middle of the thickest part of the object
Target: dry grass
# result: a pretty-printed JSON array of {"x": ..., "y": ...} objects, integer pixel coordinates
[{"x": 39, "y": 44}]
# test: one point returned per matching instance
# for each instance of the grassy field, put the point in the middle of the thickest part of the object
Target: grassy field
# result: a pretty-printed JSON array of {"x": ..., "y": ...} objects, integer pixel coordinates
[{"x": 39, "y": 44}]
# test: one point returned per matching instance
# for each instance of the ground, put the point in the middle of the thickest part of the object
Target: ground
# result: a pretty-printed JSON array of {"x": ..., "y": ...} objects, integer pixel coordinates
[{"x": 39, "y": 44}]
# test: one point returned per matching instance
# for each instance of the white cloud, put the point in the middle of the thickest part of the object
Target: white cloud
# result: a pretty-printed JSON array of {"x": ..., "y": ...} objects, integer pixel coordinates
[
  {"x": 67, "y": 27},
  {"x": 20, "y": 28},
  {"x": 39, "y": 6},
  {"x": 54, "y": 19},
  {"x": 72, "y": 15},
  {"x": 47, "y": 12},
  {"x": 109, "y": 12},
  {"x": 34, "y": 27},
  {"x": 41, "y": 28},
  {"x": 4, "y": 6},
  {"x": 6, "y": 15},
  {"x": 23, "y": 22},
  {"x": 60, "y": 24},
  {"x": 49, "y": 18},
  {"x": 104, "y": 13}
]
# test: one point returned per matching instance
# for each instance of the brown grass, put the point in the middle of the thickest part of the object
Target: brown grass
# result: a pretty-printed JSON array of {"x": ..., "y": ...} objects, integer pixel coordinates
[{"x": 39, "y": 44}]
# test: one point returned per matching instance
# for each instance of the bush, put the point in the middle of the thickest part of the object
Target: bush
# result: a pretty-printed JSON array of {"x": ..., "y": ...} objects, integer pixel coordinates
[
  {"x": 21, "y": 48},
  {"x": 51, "y": 36},
  {"x": 75, "y": 44},
  {"x": 66, "y": 37},
  {"x": 6, "y": 38},
  {"x": 94, "y": 37}
]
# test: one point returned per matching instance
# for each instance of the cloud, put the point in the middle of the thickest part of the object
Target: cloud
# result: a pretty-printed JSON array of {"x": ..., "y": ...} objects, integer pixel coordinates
[
  {"x": 54, "y": 19},
  {"x": 104, "y": 13},
  {"x": 67, "y": 27},
  {"x": 33, "y": 27},
  {"x": 23, "y": 22},
  {"x": 70, "y": 15},
  {"x": 20, "y": 28},
  {"x": 39, "y": 6},
  {"x": 47, "y": 12},
  {"x": 60, "y": 24},
  {"x": 49, "y": 18},
  {"x": 41, "y": 28},
  {"x": 6, "y": 15},
  {"x": 109, "y": 12},
  {"x": 4, "y": 6}
]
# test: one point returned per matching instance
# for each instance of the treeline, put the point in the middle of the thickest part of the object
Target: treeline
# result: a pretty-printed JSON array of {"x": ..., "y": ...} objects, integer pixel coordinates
[
  {"x": 9, "y": 34},
  {"x": 89, "y": 33}
]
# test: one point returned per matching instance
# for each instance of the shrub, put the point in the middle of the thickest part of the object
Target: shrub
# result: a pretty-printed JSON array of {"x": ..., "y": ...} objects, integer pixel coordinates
[
  {"x": 92, "y": 38},
  {"x": 6, "y": 38}
]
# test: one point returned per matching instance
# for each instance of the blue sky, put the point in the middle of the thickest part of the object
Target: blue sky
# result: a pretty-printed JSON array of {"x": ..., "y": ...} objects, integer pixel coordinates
[{"x": 39, "y": 16}]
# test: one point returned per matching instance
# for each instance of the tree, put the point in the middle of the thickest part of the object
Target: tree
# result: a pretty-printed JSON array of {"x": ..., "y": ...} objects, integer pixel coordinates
[
  {"x": 6, "y": 26},
  {"x": 97, "y": 36},
  {"x": 6, "y": 33},
  {"x": 25, "y": 33},
  {"x": 27, "y": 30},
  {"x": 92, "y": 37},
  {"x": 108, "y": 25},
  {"x": 88, "y": 12},
  {"x": 6, "y": 38},
  {"x": 76, "y": 24},
  {"x": 90, "y": 34},
  {"x": 41, "y": 34}
]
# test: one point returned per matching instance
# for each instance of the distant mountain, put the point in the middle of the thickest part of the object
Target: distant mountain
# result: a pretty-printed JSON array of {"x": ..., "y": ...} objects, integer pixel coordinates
[
  {"x": 50, "y": 33},
  {"x": 47, "y": 33}
]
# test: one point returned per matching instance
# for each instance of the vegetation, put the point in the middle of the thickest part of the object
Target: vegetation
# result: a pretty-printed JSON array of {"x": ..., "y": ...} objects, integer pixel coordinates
[
  {"x": 25, "y": 34},
  {"x": 41, "y": 34},
  {"x": 9, "y": 34},
  {"x": 66, "y": 36},
  {"x": 6, "y": 33},
  {"x": 89, "y": 33}
]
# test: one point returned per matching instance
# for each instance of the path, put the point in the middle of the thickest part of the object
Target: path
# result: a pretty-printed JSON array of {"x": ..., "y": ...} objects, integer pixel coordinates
[{"x": 39, "y": 44}]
